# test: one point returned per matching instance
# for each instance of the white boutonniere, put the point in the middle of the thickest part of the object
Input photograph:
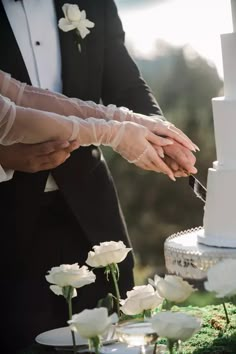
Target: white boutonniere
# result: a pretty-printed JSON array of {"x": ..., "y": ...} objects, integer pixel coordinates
[{"x": 75, "y": 20}]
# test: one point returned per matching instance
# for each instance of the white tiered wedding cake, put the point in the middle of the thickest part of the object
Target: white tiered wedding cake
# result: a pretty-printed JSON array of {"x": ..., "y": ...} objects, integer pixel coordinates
[
  {"x": 190, "y": 253},
  {"x": 220, "y": 210}
]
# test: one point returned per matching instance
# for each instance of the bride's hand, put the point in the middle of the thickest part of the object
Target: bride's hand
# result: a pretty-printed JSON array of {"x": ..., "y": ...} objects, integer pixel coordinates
[
  {"x": 132, "y": 141},
  {"x": 136, "y": 145},
  {"x": 163, "y": 128}
]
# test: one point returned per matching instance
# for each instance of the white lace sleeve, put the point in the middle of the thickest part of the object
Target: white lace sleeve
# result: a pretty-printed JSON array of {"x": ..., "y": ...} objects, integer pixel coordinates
[
  {"x": 32, "y": 97},
  {"x": 32, "y": 115},
  {"x": 29, "y": 126}
]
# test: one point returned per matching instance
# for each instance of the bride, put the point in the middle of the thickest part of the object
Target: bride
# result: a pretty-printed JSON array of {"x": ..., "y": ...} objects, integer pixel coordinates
[{"x": 32, "y": 115}]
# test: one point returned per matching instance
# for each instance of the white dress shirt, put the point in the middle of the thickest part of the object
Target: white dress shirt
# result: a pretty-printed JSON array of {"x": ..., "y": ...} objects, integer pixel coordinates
[{"x": 34, "y": 25}]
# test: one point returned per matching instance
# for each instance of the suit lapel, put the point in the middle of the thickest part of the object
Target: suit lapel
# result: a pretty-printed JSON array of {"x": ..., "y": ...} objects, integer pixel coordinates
[
  {"x": 74, "y": 62},
  {"x": 12, "y": 60}
]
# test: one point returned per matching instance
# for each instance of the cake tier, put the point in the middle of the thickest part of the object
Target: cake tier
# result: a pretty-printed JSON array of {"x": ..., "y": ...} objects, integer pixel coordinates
[
  {"x": 224, "y": 111},
  {"x": 219, "y": 217},
  {"x": 228, "y": 44}
]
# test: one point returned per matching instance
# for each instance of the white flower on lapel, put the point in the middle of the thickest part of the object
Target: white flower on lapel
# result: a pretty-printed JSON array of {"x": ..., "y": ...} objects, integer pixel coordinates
[{"x": 75, "y": 20}]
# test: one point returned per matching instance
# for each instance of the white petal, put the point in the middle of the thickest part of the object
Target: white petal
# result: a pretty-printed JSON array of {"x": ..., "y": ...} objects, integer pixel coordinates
[
  {"x": 56, "y": 289},
  {"x": 74, "y": 293},
  {"x": 65, "y": 9},
  {"x": 88, "y": 23},
  {"x": 83, "y": 31},
  {"x": 74, "y": 13},
  {"x": 83, "y": 15},
  {"x": 65, "y": 25}
]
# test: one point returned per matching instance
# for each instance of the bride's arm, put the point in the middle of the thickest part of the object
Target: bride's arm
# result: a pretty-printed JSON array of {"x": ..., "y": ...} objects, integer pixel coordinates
[
  {"x": 37, "y": 98},
  {"x": 132, "y": 141},
  {"x": 32, "y": 97},
  {"x": 27, "y": 125}
]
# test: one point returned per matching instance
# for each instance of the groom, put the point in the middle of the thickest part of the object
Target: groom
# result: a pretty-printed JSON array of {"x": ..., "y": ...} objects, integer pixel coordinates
[{"x": 55, "y": 216}]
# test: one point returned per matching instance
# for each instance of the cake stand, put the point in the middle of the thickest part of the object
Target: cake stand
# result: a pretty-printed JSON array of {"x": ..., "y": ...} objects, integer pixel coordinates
[{"x": 186, "y": 257}]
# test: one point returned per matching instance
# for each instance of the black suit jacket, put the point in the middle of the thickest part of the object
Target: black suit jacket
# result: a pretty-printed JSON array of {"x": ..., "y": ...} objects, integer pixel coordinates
[{"x": 102, "y": 70}]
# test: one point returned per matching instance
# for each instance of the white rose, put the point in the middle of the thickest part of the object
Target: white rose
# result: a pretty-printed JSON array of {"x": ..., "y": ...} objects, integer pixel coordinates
[
  {"x": 172, "y": 288},
  {"x": 75, "y": 19},
  {"x": 175, "y": 325},
  {"x": 69, "y": 275},
  {"x": 107, "y": 253},
  {"x": 139, "y": 299},
  {"x": 71, "y": 12},
  {"x": 222, "y": 279},
  {"x": 92, "y": 323}
]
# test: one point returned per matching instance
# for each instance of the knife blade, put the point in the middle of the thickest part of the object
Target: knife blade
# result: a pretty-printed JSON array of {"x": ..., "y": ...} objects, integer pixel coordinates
[{"x": 198, "y": 189}]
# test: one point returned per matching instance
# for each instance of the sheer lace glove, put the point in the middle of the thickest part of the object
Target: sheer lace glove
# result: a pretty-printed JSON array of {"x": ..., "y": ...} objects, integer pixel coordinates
[
  {"x": 30, "y": 126},
  {"x": 36, "y": 98},
  {"x": 154, "y": 123},
  {"x": 132, "y": 141},
  {"x": 32, "y": 97},
  {"x": 163, "y": 128}
]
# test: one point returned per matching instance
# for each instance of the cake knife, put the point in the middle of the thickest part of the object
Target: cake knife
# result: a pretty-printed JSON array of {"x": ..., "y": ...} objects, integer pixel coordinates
[{"x": 198, "y": 189}]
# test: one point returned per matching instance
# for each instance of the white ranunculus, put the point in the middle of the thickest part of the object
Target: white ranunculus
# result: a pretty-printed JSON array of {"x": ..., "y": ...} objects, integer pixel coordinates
[
  {"x": 139, "y": 299},
  {"x": 107, "y": 253},
  {"x": 172, "y": 288},
  {"x": 69, "y": 275},
  {"x": 175, "y": 325},
  {"x": 92, "y": 323},
  {"x": 222, "y": 279},
  {"x": 75, "y": 19}
]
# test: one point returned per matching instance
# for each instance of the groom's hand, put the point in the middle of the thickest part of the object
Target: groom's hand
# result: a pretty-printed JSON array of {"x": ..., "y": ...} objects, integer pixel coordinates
[{"x": 36, "y": 157}]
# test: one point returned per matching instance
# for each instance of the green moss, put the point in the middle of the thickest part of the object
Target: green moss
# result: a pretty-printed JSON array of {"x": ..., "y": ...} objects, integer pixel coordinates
[{"x": 214, "y": 337}]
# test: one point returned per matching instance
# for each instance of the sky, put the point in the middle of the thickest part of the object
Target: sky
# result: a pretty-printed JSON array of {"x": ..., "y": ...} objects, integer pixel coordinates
[{"x": 197, "y": 23}]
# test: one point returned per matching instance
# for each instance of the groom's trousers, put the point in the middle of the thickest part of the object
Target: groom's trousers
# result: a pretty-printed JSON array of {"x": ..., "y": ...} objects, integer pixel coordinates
[{"x": 57, "y": 239}]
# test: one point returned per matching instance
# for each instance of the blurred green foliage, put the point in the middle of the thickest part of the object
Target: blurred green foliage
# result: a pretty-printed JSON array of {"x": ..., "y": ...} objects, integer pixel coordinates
[{"x": 154, "y": 206}]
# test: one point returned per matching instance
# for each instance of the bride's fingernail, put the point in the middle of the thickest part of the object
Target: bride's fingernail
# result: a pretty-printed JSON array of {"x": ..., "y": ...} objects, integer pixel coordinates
[
  {"x": 172, "y": 178},
  {"x": 161, "y": 154},
  {"x": 193, "y": 170}
]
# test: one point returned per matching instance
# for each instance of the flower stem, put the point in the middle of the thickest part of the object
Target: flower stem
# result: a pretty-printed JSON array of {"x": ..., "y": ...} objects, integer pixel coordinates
[
  {"x": 167, "y": 305},
  {"x": 94, "y": 342},
  {"x": 226, "y": 314},
  {"x": 147, "y": 314},
  {"x": 70, "y": 317},
  {"x": 155, "y": 348},
  {"x": 170, "y": 345},
  {"x": 113, "y": 274}
]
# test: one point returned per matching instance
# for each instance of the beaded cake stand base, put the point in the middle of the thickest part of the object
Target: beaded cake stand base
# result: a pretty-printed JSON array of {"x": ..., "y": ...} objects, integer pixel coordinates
[{"x": 186, "y": 257}]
